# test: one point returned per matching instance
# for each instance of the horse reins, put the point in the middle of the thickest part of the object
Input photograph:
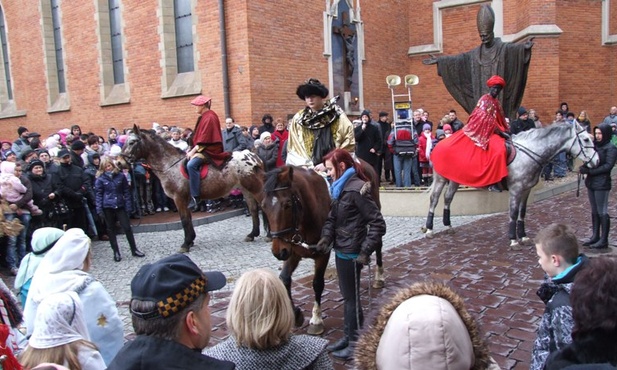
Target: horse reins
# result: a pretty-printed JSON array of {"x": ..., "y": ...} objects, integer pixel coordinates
[{"x": 536, "y": 157}]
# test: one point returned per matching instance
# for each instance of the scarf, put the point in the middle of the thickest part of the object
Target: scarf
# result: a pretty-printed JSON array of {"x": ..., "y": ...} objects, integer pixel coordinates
[
  {"x": 41, "y": 239},
  {"x": 320, "y": 123},
  {"x": 337, "y": 186},
  {"x": 59, "y": 320}
]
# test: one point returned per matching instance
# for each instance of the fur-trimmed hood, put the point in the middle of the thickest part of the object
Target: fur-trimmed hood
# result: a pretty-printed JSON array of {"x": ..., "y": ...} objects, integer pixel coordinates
[{"x": 425, "y": 326}]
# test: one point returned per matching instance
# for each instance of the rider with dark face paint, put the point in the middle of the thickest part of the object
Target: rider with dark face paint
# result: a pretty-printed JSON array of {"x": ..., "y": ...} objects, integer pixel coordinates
[{"x": 476, "y": 155}]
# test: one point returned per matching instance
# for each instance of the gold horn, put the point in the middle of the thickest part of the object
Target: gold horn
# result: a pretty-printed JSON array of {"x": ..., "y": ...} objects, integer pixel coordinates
[
  {"x": 411, "y": 80},
  {"x": 393, "y": 80}
]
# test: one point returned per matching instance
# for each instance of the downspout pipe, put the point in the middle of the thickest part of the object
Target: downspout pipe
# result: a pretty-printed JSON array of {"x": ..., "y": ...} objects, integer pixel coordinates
[{"x": 224, "y": 58}]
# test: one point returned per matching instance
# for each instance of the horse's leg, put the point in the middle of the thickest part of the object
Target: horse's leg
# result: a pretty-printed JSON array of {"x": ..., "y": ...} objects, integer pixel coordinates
[
  {"x": 266, "y": 224},
  {"x": 520, "y": 222},
  {"x": 289, "y": 266},
  {"x": 379, "y": 279},
  {"x": 316, "y": 326},
  {"x": 187, "y": 223},
  {"x": 254, "y": 210},
  {"x": 448, "y": 197},
  {"x": 438, "y": 183},
  {"x": 515, "y": 204}
]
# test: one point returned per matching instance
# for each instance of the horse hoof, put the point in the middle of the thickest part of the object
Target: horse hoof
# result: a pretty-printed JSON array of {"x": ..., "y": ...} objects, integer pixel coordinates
[
  {"x": 526, "y": 241},
  {"x": 423, "y": 229},
  {"x": 429, "y": 235},
  {"x": 515, "y": 246},
  {"x": 267, "y": 239},
  {"x": 450, "y": 231},
  {"x": 184, "y": 250},
  {"x": 249, "y": 238},
  {"x": 315, "y": 329},
  {"x": 378, "y": 284}
]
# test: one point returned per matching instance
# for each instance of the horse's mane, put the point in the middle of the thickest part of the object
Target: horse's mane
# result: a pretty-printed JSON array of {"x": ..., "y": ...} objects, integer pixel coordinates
[
  {"x": 272, "y": 179},
  {"x": 154, "y": 136},
  {"x": 534, "y": 134}
]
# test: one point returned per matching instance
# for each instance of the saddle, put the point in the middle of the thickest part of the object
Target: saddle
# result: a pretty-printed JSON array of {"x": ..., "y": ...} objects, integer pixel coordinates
[
  {"x": 510, "y": 152},
  {"x": 202, "y": 173},
  {"x": 219, "y": 163}
]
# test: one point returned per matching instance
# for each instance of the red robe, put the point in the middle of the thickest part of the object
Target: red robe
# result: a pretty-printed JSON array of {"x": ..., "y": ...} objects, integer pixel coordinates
[
  {"x": 207, "y": 133},
  {"x": 475, "y": 156}
]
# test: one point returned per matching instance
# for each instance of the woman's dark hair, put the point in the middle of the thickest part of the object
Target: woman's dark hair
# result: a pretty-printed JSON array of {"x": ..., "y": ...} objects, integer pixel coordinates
[
  {"x": 594, "y": 297},
  {"x": 337, "y": 156},
  {"x": 75, "y": 127},
  {"x": 92, "y": 139}
]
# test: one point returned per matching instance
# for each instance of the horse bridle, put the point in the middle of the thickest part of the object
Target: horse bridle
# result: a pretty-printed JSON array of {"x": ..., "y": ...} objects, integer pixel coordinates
[
  {"x": 296, "y": 238},
  {"x": 138, "y": 139},
  {"x": 534, "y": 156}
]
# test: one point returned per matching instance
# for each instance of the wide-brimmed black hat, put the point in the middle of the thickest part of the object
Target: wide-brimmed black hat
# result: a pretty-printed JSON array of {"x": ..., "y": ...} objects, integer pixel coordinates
[{"x": 312, "y": 87}]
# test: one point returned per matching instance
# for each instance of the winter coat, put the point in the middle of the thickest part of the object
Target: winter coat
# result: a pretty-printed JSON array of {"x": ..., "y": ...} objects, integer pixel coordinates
[
  {"x": 282, "y": 137},
  {"x": 233, "y": 140},
  {"x": 521, "y": 125},
  {"x": 599, "y": 178},
  {"x": 593, "y": 347},
  {"x": 422, "y": 144},
  {"x": 367, "y": 139},
  {"x": 300, "y": 352},
  {"x": 113, "y": 191},
  {"x": 147, "y": 352},
  {"x": 425, "y": 326},
  {"x": 42, "y": 186},
  {"x": 73, "y": 185},
  {"x": 349, "y": 217},
  {"x": 555, "y": 328},
  {"x": 268, "y": 155}
]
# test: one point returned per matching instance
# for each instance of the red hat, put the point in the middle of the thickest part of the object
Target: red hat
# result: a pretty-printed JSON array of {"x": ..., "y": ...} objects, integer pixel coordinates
[
  {"x": 201, "y": 100},
  {"x": 496, "y": 81}
]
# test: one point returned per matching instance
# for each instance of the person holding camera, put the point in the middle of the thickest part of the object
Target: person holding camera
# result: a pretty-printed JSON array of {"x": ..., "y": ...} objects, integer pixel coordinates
[{"x": 354, "y": 229}]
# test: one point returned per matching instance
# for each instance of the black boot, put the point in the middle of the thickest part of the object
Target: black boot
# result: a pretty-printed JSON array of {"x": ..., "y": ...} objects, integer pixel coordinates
[
  {"x": 338, "y": 345},
  {"x": 193, "y": 204},
  {"x": 346, "y": 353},
  {"x": 605, "y": 224},
  {"x": 131, "y": 239},
  {"x": 117, "y": 256},
  {"x": 595, "y": 226}
]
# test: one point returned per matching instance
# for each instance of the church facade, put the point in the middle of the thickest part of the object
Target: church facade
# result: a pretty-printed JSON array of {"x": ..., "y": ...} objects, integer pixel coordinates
[{"x": 115, "y": 63}]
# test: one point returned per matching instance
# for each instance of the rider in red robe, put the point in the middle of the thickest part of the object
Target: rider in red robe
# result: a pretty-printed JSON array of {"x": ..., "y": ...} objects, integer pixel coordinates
[
  {"x": 207, "y": 146},
  {"x": 476, "y": 155}
]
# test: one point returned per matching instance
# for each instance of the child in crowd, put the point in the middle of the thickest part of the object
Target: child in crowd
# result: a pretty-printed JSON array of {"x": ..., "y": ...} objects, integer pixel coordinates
[
  {"x": 425, "y": 146},
  {"x": 558, "y": 254},
  {"x": 11, "y": 188}
]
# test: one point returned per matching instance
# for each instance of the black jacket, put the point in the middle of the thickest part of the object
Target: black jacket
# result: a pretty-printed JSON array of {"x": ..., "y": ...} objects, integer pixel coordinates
[
  {"x": 349, "y": 217},
  {"x": 368, "y": 139},
  {"x": 599, "y": 178},
  {"x": 73, "y": 185},
  {"x": 521, "y": 125},
  {"x": 595, "y": 347},
  {"x": 147, "y": 352},
  {"x": 42, "y": 186},
  {"x": 268, "y": 155}
]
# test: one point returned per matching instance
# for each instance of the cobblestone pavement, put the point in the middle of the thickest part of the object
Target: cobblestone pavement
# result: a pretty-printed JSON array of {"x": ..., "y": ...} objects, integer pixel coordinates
[{"x": 497, "y": 284}]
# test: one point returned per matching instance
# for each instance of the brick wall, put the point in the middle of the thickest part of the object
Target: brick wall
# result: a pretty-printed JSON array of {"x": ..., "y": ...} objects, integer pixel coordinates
[{"x": 273, "y": 46}]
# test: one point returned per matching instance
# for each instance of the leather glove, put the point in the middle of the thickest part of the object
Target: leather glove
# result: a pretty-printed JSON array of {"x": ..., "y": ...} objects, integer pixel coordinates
[
  {"x": 363, "y": 258},
  {"x": 323, "y": 246},
  {"x": 584, "y": 170}
]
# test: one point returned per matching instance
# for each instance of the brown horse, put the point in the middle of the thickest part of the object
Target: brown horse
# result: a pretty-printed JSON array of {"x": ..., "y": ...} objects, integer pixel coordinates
[
  {"x": 244, "y": 169},
  {"x": 297, "y": 203}
]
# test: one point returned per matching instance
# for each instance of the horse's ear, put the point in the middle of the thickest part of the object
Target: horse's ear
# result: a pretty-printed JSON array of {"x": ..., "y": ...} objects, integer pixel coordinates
[
  {"x": 291, "y": 174},
  {"x": 136, "y": 129}
]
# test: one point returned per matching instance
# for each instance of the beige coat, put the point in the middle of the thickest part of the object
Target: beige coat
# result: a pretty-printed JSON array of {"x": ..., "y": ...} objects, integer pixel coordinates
[{"x": 424, "y": 327}]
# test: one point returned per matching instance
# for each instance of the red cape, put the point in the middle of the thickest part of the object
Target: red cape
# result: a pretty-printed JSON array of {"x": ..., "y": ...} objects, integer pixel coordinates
[{"x": 459, "y": 159}]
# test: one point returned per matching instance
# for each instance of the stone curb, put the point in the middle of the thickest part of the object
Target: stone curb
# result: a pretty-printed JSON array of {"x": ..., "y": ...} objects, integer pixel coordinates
[{"x": 177, "y": 225}]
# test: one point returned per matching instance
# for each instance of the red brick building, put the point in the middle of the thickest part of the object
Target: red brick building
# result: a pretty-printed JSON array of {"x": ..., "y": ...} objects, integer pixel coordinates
[{"x": 117, "y": 63}]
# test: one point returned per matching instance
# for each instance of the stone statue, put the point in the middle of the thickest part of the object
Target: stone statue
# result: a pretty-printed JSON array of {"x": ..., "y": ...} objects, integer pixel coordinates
[{"x": 464, "y": 75}]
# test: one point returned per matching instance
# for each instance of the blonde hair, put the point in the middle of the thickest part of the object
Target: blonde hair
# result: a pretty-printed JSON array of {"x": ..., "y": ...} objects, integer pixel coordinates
[
  {"x": 104, "y": 162},
  {"x": 31, "y": 357},
  {"x": 260, "y": 315}
]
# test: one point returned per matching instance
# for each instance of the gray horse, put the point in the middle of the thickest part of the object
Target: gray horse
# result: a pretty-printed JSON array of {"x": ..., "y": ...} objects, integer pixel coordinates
[
  {"x": 535, "y": 148},
  {"x": 244, "y": 169}
]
